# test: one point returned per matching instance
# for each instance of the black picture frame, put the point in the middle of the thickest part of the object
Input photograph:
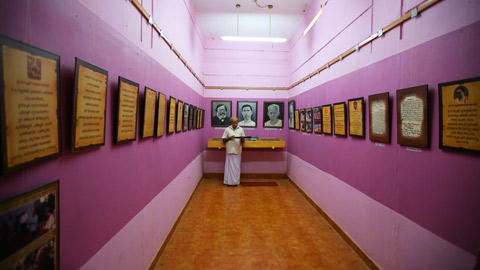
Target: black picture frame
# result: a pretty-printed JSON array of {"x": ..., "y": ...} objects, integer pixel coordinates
[
  {"x": 172, "y": 109},
  {"x": 190, "y": 117},
  {"x": 308, "y": 120},
  {"x": 149, "y": 113},
  {"x": 413, "y": 133},
  {"x": 161, "y": 109},
  {"x": 356, "y": 112},
  {"x": 125, "y": 104},
  {"x": 186, "y": 108},
  {"x": 339, "y": 112},
  {"x": 327, "y": 119},
  {"x": 379, "y": 117},
  {"x": 302, "y": 120},
  {"x": 247, "y": 108},
  {"x": 317, "y": 119},
  {"x": 291, "y": 114},
  {"x": 267, "y": 117},
  {"x": 217, "y": 119},
  {"x": 179, "y": 117},
  {"x": 37, "y": 66}
]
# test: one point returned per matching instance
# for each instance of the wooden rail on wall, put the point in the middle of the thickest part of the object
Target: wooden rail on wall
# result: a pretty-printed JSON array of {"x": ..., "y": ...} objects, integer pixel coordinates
[{"x": 410, "y": 15}]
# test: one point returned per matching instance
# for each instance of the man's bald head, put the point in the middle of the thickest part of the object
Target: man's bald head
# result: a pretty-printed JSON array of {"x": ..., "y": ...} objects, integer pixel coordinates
[{"x": 234, "y": 121}]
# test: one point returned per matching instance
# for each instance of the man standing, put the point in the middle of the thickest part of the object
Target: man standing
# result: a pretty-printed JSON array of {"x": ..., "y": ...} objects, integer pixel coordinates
[
  {"x": 247, "y": 117},
  {"x": 234, "y": 152},
  {"x": 221, "y": 118}
]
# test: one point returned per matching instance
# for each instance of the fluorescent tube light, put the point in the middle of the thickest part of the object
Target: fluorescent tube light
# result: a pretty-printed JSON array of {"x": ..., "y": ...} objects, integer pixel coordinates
[
  {"x": 313, "y": 21},
  {"x": 254, "y": 39}
]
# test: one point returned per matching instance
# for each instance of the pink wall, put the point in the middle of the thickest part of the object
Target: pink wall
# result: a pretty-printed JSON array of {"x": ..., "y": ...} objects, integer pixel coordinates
[{"x": 101, "y": 190}]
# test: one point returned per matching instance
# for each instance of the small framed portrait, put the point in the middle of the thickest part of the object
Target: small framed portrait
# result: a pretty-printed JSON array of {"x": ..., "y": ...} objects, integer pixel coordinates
[
  {"x": 221, "y": 113},
  {"x": 317, "y": 120},
  {"x": 247, "y": 113},
  {"x": 273, "y": 112},
  {"x": 308, "y": 120},
  {"x": 291, "y": 114},
  {"x": 302, "y": 119}
]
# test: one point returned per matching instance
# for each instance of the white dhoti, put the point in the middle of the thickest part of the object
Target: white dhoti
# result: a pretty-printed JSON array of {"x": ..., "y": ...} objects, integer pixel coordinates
[{"x": 232, "y": 170}]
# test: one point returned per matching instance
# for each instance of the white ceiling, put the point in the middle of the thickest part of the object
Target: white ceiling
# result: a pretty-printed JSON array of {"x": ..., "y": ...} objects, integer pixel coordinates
[{"x": 219, "y": 17}]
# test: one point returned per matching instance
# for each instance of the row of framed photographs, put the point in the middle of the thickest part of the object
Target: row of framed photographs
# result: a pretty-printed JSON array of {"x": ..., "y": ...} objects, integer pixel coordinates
[
  {"x": 273, "y": 113},
  {"x": 459, "y": 117}
]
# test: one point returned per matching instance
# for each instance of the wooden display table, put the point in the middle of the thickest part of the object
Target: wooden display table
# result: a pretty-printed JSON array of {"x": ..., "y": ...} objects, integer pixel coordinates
[{"x": 262, "y": 142}]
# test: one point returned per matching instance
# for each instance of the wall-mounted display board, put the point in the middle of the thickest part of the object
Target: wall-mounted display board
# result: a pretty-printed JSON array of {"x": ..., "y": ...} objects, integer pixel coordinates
[
  {"x": 317, "y": 120},
  {"x": 36, "y": 236},
  {"x": 340, "y": 119},
  {"x": 221, "y": 113},
  {"x": 412, "y": 116},
  {"x": 327, "y": 119},
  {"x": 161, "y": 108},
  {"x": 148, "y": 127},
  {"x": 302, "y": 119},
  {"x": 127, "y": 111},
  {"x": 247, "y": 113},
  {"x": 273, "y": 114},
  {"x": 460, "y": 115},
  {"x": 172, "y": 106},
  {"x": 297, "y": 119},
  {"x": 89, "y": 106},
  {"x": 356, "y": 117},
  {"x": 179, "y": 116},
  {"x": 186, "y": 107},
  {"x": 199, "y": 120},
  {"x": 29, "y": 105},
  {"x": 195, "y": 118},
  {"x": 379, "y": 113},
  {"x": 202, "y": 118},
  {"x": 190, "y": 117},
  {"x": 291, "y": 114},
  {"x": 308, "y": 120}
]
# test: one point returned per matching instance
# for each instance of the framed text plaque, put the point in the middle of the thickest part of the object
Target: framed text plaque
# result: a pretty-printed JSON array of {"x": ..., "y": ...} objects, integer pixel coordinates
[
  {"x": 297, "y": 119},
  {"x": 199, "y": 115},
  {"x": 302, "y": 120},
  {"x": 149, "y": 110},
  {"x": 179, "y": 116},
  {"x": 340, "y": 119},
  {"x": 460, "y": 115},
  {"x": 89, "y": 106},
  {"x": 327, "y": 119},
  {"x": 127, "y": 111},
  {"x": 308, "y": 120},
  {"x": 190, "y": 117},
  {"x": 172, "y": 106},
  {"x": 29, "y": 105},
  {"x": 186, "y": 107},
  {"x": 33, "y": 238},
  {"x": 356, "y": 118},
  {"x": 161, "y": 108},
  {"x": 379, "y": 112},
  {"x": 412, "y": 116},
  {"x": 202, "y": 118},
  {"x": 317, "y": 120}
]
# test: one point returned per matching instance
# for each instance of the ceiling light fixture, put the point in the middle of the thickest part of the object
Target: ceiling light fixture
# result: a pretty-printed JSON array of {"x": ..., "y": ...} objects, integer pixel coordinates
[
  {"x": 314, "y": 20},
  {"x": 255, "y": 39}
]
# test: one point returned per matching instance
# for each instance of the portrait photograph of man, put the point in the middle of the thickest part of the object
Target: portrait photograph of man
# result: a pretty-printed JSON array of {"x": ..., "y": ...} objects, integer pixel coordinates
[
  {"x": 291, "y": 114},
  {"x": 273, "y": 112},
  {"x": 247, "y": 113},
  {"x": 221, "y": 113}
]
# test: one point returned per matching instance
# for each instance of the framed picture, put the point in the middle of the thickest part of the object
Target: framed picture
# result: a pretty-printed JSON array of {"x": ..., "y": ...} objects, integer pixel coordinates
[
  {"x": 202, "y": 118},
  {"x": 247, "y": 113},
  {"x": 161, "y": 108},
  {"x": 179, "y": 118},
  {"x": 29, "y": 81},
  {"x": 273, "y": 114},
  {"x": 327, "y": 119},
  {"x": 297, "y": 119},
  {"x": 149, "y": 110},
  {"x": 127, "y": 111},
  {"x": 172, "y": 107},
  {"x": 190, "y": 117},
  {"x": 459, "y": 115},
  {"x": 412, "y": 116},
  {"x": 221, "y": 113},
  {"x": 317, "y": 120},
  {"x": 185, "y": 116},
  {"x": 199, "y": 114},
  {"x": 302, "y": 120},
  {"x": 308, "y": 120},
  {"x": 356, "y": 118},
  {"x": 195, "y": 118},
  {"x": 30, "y": 235},
  {"x": 340, "y": 119},
  {"x": 89, "y": 106},
  {"x": 291, "y": 114},
  {"x": 379, "y": 112}
]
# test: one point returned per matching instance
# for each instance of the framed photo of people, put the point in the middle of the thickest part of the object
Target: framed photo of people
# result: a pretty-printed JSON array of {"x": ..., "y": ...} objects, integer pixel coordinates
[
  {"x": 149, "y": 110},
  {"x": 379, "y": 113},
  {"x": 89, "y": 106},
  {"x": 273, "y": 112},
  {"x": 29, "y": 82},
  {"x": 172, "y": 109},
  {"x": 460, "y": 115},
  {"x": 179, "y": 117},
  {"x": 297, "y": 119},
  {"x": 291, "y": 114},
  {"x": 161, "y": 108},
  {"x": 185, "y": 116},
  {"x": 30, "y": 235},
  {"x": 221, "y": 113},
  {"x": 327, "y": 119},
  {"x": 308, "y": 120},
  {"x": 356, "y": 118},
  {"x": 127, "y": 111},
  {"x": 247, "y": 113},
  {"x": 340, "y": 119},
  {"x": 317, "y": 120},
  {"x": 302, "y": 120},
  {"x": 412, "y": 116}
]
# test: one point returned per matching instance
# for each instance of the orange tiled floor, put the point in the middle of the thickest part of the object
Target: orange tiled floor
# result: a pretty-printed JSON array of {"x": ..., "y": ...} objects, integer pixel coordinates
[{"x": 254, "y": 228}]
